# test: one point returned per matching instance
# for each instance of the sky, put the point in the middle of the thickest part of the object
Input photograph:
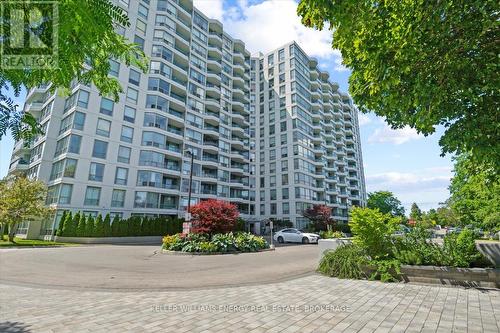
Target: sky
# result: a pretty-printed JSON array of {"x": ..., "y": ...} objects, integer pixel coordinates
[{"x": 401, "y": 161}]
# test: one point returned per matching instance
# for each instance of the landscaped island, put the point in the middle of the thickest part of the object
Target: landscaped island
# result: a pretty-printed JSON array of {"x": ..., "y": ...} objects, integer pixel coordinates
[{"x": 216, "y": 229}]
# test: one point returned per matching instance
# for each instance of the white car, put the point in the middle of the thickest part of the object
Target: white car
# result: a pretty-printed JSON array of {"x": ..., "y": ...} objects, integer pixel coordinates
[{"x": 295, "y": 236}]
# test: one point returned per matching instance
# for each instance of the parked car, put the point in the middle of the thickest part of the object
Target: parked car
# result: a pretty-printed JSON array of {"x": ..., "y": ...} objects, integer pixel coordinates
[{"x": 295, "y": 236}]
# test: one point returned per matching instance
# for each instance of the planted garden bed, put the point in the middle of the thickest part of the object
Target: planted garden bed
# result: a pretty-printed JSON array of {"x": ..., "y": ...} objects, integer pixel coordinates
[{"x": 222, "y": 243}]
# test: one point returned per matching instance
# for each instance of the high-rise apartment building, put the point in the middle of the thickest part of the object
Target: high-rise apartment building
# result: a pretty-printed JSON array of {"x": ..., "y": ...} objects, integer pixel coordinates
[
  {"x": 269, "y": 133},
  {"x": 307, "y": 143}
]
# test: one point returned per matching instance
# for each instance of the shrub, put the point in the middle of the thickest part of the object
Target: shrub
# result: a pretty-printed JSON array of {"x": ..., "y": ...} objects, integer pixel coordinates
[
  {"x": 346, "y": 262},
  {"x": 80, "y": 229},
  {"x": 460, "y": 249},
  {"x": 239, "y": 225},
  {"x": 89, "y": 227},
  {"x": 98, "y": 230},
  {"x": 373, "y": 231},
  {"x": 107, "y": 226},
  {"x": 213, "y": 216},
  {"x": 115, "y": 226},
  {"x": 61, "y": 223},
  {"x": 242, "y": 242},
  {"x": 414, "y": 249},
  {"x": 387, "y": 270},
  {"x": 320, "y": 217},
  {"x": 331, "y": 234},
  {"x": 65, "y": 223}
]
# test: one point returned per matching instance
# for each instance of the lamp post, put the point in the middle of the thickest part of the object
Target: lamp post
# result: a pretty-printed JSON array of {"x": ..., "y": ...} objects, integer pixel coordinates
[{"x": 187, "y": 224}]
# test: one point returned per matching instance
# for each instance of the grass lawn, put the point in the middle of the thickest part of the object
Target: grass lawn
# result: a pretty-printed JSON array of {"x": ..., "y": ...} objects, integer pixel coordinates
[{"x": 19, "y": 242}]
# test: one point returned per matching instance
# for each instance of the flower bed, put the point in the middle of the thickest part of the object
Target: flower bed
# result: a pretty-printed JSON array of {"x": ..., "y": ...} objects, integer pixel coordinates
[{"x": 214, "y": 244}]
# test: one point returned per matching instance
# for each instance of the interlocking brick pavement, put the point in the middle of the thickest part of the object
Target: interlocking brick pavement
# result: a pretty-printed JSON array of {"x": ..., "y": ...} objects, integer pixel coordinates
[{"x": 309, "y": 304}]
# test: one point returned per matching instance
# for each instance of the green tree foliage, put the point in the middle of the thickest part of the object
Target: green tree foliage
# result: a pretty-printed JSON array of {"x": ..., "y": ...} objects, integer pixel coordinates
[
  {"x": 386, "y": 202},
  {"x": 89, "y": 227},
  {"x": 415, "y": 212},
  {"x": 87, "y": 34},
  {"x": 61, "y": 223},
  {"x": 422, "y": 64},
  {"x": 475, "y": 191},
  {"x": 98, "y": 230},
  {"x": 115, "y": 226},
  {"x": 107, "y": 226},
  {"x": 70, "y": 226},
  {"x": 21, "y": 199},
  {"x": 373, "y": 231},
  {"x": 81, "y": 227}
]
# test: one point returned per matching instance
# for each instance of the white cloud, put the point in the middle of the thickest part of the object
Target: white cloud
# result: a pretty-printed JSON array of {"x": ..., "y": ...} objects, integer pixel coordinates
[
  {"x": 363, "y": 119},
  {"x": 212, "y": 8},
  {"x": 398, "y": 136},
  {"x": 427, "y": 187},
  {"x": 270, "y": 24}
]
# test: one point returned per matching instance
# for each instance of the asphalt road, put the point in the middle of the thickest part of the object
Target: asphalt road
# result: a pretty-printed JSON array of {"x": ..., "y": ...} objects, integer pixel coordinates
[{"x": 107, "y": 267}]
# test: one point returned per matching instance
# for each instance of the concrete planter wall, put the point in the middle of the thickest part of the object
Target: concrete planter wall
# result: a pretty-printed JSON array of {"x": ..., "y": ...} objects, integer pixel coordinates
[
  {"x": 491, "y": 250},
  {"x": 111, "y": 240},
  {"x": 331, "y": 244},
  {"x": 467, "y": 277}
]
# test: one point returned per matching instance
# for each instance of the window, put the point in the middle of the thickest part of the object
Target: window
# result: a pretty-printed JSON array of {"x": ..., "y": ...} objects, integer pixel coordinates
[
  {"x": 65, "y": 194},
  {"x": 156, "y": 84},
  {"x": 107, "y": 106},
  {"x": 74, "y": 144},
  {"x": 284, "y": 179},
  {"x": 134, "y": 77},
  {"x": 156, "y": 102},
  {"x": 83, "y": 99},
  {"x": 285, "y": 206},
  {"x": 284, "y": 151},
  {"x": 270, "y": 60},
  {"x": 124, "y": 154},
  {"x": 96, "y": 172},
  {"x": 281, "y": 55},
  {"x": 103, "y": 127},
  {"x": 132, "y": 95},
  {"x": 56, "y": 171},
  {"x": 79, "y": 121},
  {"x": 143, "y": 11},
  {"x": 118, "y": 198},
  {"x": 92, "y": 196},
  {"x": 141, "y": 26},
  {"x": 284, "y": 193},
  {"x": 70, "y": 167},
  {"x": 100, "y": 149},
  {"x": 114, "y": 68},
  {"x": 127, "y": 134},
  {"x": 139, "y": 41},
  {"x": 121, "y": 176},
  {"x": 273, "y": 194},
  {"x": 129, "y": 114}
]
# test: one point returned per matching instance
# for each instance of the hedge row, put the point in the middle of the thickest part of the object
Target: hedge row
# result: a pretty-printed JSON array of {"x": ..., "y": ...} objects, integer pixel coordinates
[{"x": 79, "y": 225}]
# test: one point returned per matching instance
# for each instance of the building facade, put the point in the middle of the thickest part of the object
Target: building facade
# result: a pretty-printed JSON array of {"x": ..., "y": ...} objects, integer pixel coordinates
[
  {"x": 307, "y": 143},
  {"x": 271, "y": 147}
]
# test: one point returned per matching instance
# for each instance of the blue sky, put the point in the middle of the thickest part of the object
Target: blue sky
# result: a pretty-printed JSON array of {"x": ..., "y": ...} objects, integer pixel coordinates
[{"x": 400, "y": 161}]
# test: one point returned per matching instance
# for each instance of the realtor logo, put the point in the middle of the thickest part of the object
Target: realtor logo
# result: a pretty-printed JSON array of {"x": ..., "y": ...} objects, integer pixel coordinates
[{"x": 28, "y": 34}]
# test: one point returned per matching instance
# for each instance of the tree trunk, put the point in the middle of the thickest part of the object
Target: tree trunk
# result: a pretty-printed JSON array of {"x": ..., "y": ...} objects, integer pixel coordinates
[
  {"x": 2, "y": 226},
  {"x": 12, "y": 232}
]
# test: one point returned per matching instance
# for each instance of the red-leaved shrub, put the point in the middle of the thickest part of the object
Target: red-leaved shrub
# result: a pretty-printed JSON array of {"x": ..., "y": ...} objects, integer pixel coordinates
[{"x": 213, "y": 216}]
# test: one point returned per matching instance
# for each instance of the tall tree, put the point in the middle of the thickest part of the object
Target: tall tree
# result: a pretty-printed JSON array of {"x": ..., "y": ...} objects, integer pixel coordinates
[
  {"x": 422, "y": 64},
  {"x": 475, "y": 191},
  {"x": 87, "y": 40},
  {"x": 21, "y": 199},
  {"x": 320, "y": 216},
  {"x": 415, "y": 212},
  {"x": 386, "y": 202}
]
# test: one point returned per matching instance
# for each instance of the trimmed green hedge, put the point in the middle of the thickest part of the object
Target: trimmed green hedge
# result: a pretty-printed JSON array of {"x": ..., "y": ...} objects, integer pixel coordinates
[{"x": 80, "y": 225}]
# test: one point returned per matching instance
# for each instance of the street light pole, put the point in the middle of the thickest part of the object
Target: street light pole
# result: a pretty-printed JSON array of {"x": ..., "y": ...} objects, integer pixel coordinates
[{"x": 187, "y": 225}]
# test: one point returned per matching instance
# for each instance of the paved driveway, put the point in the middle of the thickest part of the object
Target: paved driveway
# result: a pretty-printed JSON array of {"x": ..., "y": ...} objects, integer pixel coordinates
[
  {"x": 132, "y": 289},
  {"x": 145, "y": 267}
]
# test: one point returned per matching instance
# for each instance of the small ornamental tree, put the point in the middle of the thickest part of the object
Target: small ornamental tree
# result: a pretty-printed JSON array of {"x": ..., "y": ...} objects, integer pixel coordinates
[
  {"x": 61, "y": 223},
  {"x": 98, "y": 227},
  {"x": 320, "y": 216},
  {"x": 214, "y": 216},
  {"x": 69, "y": 228},
  {"x": 80, "y": 228},
  {"x": 89, "y": 227},
  {"x": 115, "y": 226},
  {"x": 107, "y": 226}
]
